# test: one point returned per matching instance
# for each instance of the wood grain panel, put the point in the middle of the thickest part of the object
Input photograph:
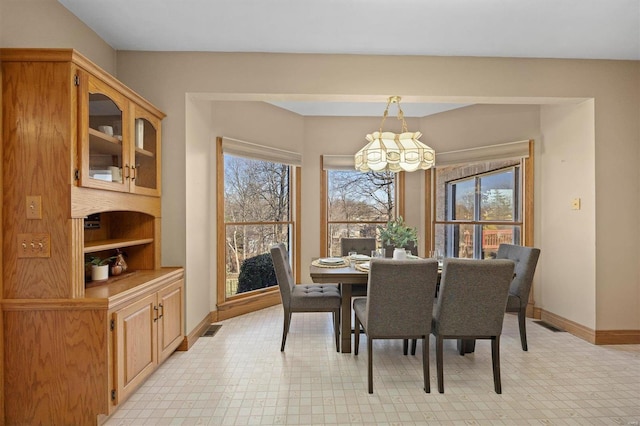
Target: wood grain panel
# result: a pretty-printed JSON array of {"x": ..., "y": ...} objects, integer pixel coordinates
[
  {"x": 220, "y": 230},
  {"x": 60, "y": 362},
  {"x": 64, "y": 353},
  {"x": 41, "y": 146},
  {"x": 135, "y": 350},
  {"x": 86, "y": 201},
  {"x": 171, "y": 324},
  {"x": 77, "y": 257},
  {"x": 429, "y": 225},
  {"x": 70, "y": 55}
]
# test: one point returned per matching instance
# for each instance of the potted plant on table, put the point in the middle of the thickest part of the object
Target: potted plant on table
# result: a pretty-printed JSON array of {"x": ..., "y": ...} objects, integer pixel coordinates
[
  {"x": 99, "y": 267},
  {"x": 397, "y": 235}
]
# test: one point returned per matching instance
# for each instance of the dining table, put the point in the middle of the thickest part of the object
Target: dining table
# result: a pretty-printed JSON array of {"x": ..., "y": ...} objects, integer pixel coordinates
[{"x": 348, "y": 276}]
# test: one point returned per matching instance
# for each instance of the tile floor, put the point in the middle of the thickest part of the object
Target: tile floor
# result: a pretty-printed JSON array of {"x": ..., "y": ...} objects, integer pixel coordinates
[{"x": 240, "y": 377}]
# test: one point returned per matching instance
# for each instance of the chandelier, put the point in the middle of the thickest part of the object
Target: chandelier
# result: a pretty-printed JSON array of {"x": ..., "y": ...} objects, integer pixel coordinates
[{"x": 394, "y": 152}]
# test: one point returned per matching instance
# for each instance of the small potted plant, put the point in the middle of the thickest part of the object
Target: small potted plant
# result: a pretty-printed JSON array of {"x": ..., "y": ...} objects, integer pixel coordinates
[
  {"x": 99, "y": 267},
  {"x": 399, "y": 236}
]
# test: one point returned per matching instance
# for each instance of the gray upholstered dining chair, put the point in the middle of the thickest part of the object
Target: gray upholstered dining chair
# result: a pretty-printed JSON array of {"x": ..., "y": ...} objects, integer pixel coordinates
[
  {"x": 526, "y": 259},
  {"x": 359, "y": 245},
  {"x": 471, "y": 305},
  {"x": 303, "y": 297},
  {"x": 398, "y": 306}
]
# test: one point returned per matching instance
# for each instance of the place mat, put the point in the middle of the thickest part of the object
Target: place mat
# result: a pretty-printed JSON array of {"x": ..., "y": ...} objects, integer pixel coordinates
[
  {"x": 324, "y": 265},
  {"x": 361, "y": 258},
  {"x": 362, "y": 267}
]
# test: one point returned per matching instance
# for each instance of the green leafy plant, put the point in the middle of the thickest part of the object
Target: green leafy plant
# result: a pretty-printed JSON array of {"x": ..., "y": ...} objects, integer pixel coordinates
[
  {"x": 98, "y": 261},
  {"x": 395, "y": 233}
]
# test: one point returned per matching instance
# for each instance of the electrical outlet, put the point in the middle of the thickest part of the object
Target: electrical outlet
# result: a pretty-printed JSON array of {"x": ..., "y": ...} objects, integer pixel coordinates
[
  {"x": 34, "y": 245},
  {"x": 34, "y": 207}
]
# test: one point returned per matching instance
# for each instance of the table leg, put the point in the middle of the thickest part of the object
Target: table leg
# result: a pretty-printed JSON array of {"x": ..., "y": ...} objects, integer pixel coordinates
[
  {"x": 345, "y": 319},
  {"x": 466, "y": 346}
]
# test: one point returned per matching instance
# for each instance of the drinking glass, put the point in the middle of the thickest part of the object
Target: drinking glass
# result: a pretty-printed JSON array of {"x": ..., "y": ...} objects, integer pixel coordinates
[
  {"x": 378, "y": 253},
  {"x": 352, "y": 258}
]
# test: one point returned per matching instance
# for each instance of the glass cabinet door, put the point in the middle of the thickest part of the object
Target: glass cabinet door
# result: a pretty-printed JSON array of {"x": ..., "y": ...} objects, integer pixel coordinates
[
  {"x": 104, "y": 158},
  {"x": 145, "y": 170}
]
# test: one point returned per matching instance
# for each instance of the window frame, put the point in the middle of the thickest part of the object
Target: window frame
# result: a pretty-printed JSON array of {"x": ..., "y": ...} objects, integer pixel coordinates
[
  {"x": 526, "y": 203},
  {"x": 324, "y": 204},
  {"x": 228, "y": 307},
  {"x": 477, "y": 223}
]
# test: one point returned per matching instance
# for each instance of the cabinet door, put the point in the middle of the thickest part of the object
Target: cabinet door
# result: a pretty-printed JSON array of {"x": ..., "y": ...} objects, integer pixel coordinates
[
  {"x": 145, "y": 168},
  {"x": 135, "y": 351},
  {"x": 171, "y": 322},
  {"x": 103, "y": 126}
]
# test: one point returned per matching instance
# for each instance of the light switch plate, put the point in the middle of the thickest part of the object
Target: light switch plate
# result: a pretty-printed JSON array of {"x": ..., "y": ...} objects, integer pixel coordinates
[
  {"x": 34, "y": 207},
  {"x": 34, "y": 245}
]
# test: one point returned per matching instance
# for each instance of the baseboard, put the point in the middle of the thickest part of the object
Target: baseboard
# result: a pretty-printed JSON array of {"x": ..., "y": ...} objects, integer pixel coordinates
[
  {"x": 245, "y": 305},
  {"x": 596, "y": 337},
  {"x": 572, "y": 327},
  {"x": 617, "y": 337},
  {"x": 190, "y": 339}
]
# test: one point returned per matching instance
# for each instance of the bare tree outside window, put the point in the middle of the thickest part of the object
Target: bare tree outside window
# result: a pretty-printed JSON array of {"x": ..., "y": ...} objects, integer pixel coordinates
[
  {"x": 257, "y": 215},
  {"x": 357, "y": 203}
]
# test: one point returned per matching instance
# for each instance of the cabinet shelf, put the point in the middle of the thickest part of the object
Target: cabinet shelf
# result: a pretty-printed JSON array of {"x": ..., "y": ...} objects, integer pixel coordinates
[
  {"x": 104, "y": 144},
  {"x": 95, "y": 246},
  {"x": 145, "y": 152}
]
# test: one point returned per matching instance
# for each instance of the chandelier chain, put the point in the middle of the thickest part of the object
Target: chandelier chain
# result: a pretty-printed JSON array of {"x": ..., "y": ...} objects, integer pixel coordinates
[{"x": 400, "y": 116}]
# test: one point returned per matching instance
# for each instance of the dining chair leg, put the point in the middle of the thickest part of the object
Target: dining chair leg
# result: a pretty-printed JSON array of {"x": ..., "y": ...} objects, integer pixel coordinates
[
  {"x": 439, "y": 365},
  {"x": 495, "y": 359},
  {"x": 425, "y": 363},
  {"x": 522, "y": 322},
  {"x": 336, "y": 328},
  {"x": 356, "y": 336},
  {"x": 414, "y": 343},
  {"x": 405, "y": 346},
  {"x": 370, "y": 362},
  {"x": 285, "y": 328}
]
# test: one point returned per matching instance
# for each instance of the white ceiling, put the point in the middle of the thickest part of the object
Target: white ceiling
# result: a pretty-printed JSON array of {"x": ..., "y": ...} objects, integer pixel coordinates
[{"x": 589, "y": 29}]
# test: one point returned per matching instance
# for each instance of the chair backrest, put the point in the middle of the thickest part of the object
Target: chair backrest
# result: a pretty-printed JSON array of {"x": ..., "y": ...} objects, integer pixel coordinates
[
  {"x": 359, "y": 245},
  {"x": 526, "y": 259},
  {"x": 400, "y": 297},
  {"x": 472, "y": 297},
  {"x": 280, "y": 258}
]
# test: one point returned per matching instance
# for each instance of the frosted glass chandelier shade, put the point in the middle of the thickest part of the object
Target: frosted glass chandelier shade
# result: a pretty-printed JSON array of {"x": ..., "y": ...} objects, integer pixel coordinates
[{"x": 394, "y": 152}]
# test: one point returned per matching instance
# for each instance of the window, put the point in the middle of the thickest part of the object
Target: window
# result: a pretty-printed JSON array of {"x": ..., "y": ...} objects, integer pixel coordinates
[
  {"x": 256, "y": 215},
  {"x": 355, "y": 204},
  {"x": 255, "y": 196},
  {"x": 477, "y": 199},
  {"x": 482, "y": 211}
]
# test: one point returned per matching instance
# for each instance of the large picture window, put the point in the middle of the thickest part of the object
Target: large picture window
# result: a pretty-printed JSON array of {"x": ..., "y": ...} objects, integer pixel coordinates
[
  {"x": 355, "y": 204},
  {"x": 477, "y": 199},
  {"x": 256, "y": 215},
  {"x": 257, "y": 188},
  {"x": 482, "y": 211}
]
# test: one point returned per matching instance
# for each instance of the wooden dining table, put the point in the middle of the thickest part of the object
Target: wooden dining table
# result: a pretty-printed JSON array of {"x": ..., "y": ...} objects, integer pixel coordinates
[{"x": 347, "y": 277}]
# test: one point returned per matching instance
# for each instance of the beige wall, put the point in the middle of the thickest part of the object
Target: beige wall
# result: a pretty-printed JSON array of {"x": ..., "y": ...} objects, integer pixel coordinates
[
  {"x": 567, "y": 272},
  {"x": 607, "y": 225},
  {"x": 46, "y": 23},
  {"x": 485, "y": 80}
]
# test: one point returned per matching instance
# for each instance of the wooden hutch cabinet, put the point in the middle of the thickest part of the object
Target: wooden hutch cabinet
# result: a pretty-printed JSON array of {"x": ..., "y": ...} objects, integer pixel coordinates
[{"x": 80, "y": 177}]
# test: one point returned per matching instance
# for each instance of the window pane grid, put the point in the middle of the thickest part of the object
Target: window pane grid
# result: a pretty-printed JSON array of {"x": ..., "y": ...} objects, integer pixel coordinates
[
  {"x": 480, "y": 211},
  {"x": 256, "y": 215},
  {"x": 357, "y": 203}
]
